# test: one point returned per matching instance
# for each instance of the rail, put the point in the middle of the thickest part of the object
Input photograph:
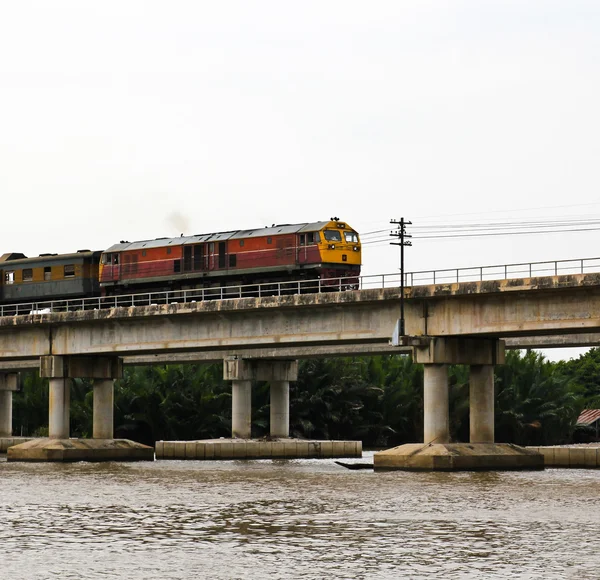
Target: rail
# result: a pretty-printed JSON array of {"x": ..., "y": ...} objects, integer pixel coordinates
[{"x": 420, "y": 278}]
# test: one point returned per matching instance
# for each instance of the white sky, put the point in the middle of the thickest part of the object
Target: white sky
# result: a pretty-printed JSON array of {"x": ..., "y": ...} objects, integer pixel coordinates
[{"x": 141, "y": 119}]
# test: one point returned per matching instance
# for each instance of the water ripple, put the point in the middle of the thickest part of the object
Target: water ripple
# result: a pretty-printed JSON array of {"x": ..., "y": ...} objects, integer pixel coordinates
[{"x": 294, "y": 519}]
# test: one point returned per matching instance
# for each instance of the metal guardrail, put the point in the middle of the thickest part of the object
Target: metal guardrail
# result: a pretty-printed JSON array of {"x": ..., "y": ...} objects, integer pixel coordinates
[{"x": 421, "y": 278}]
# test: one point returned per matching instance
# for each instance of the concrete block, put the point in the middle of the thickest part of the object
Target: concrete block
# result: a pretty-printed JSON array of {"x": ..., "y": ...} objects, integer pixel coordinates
[
  {"x": 290, "y": 449},
  {"x": 338, "y": 448},
  {"x": 168, "y": 449},
  {"x": 179, "y": 450},
  {"x": 591, "y": 457},
  {"x": 561, "y": 457},
  {"x": 326, "y": 449},
  {"x": 9, "y": 382},
  {"x": 260, "y": 370},
  {"x": 351, "y": 449},
  {"x": 314, "y": 449},
  {"x": 190, "y": 450},
  {"x": 80, "y": 450},
  {"x": 471, "y": 351},
  {"x": 200, "y": 446},
  {"x": 252, "y": 449},
  {"x": 209, "y": 450},
  {"x": 240, "y": 449},
  {"x": 302, "y": 449},
  {"x": 548, "y": 453},
  {"x": 458, "y": 457},
  {"x": 159, "y": 448},
  {"x": 226, "y": 450},
  {"x": 577, "y": 457},
  {"x": 265, "y": 449},
  {"x": 277, "y": 449},
  {"x": 217, "y": 453}
]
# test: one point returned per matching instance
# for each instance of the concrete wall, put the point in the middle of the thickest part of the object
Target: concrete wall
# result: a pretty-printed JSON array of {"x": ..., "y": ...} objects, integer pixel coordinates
[
  {"x": 252, "y": 449},
  {"x": 584, "y": 456}
]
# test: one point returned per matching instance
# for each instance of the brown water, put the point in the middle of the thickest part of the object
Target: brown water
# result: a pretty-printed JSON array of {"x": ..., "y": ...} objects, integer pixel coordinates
[{"x": 294, "y": 519}]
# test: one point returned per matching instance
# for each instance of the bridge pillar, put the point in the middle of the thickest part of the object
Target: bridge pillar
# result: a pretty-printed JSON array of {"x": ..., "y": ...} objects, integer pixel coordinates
[
  {"x": 439, "y": 454},
  {"x": 280, "y": 409},
  {"x": 103, "y": 427},
  {"x": 8, "y": 384},
  {"x": 59, "y": 408},
  {"x": 59, "y": 369},
  {"x": 436, "y": 422},
  {"x": 278, "y": 373},
  {"x": 481, "y": 354},
  {"x": 481, "y": 400},
  {"x": 241, "y": 409}
]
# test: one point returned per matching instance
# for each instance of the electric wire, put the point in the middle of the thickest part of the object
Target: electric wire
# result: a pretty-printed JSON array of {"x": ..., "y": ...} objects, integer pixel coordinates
[{"x": 533, "y": 226}]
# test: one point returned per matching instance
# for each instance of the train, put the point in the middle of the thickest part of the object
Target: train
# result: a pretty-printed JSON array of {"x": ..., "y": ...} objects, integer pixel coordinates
[{"x": 327, "y": 251}]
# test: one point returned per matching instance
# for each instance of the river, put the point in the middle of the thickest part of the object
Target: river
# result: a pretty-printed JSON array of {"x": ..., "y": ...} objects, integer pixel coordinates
[{"x": 293, "y": 519}]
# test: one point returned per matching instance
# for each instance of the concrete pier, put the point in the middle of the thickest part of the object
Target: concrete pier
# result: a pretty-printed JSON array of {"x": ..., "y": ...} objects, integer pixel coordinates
[
  {"x": 481, "y": 401},
  {"x": 241, "y": 372},
  {"x": 458, "y": 457},
  {"x": 59, "y": 408},
  {"x": 42, "y": 450},
  {"x": 280, "y": 409},
  {"x": 437, "y": 452},
  {"x": 436, "y": 422},
  {"x": 572, "y": 456},
  {"x": 214, "y": 449},
  {"x": 5, "y": 413},
  {"x": 59, "y": 447},
  {"x": 8, "y": 384},
  {"x": 103, "y": 427},
  {"x": 241, "y": 409}
]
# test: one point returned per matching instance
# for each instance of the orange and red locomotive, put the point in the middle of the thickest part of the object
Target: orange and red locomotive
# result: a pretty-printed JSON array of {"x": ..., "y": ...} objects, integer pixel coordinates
[
  {"x": 328, "y": 251},
  {"x": 319, "y": 250}
]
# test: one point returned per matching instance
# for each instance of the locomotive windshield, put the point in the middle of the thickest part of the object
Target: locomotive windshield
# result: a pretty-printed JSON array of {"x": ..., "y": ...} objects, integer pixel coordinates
[
  {"x": 332, "y": 235},
  {"x": 351, "y": 237}
]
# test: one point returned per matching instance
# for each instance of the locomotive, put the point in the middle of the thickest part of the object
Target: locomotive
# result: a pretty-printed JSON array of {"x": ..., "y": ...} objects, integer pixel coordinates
[{"x": 326, "y": 251}]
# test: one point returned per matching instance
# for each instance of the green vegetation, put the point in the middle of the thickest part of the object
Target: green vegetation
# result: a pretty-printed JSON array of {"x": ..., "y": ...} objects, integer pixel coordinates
[{"x": 376, "y": 399}]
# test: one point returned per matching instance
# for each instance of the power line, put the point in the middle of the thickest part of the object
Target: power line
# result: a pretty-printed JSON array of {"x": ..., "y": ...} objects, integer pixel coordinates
[{"x": 531, "y": 227}]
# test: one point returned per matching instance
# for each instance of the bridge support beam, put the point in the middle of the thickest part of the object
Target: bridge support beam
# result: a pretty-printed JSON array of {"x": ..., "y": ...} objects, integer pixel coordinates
[
  {"x": 481, "y": 401},
  {"x": 103, "y": 427},
  {"x": 60, "y": 370},
  {"x": 280, "y": 409},
  {"x": 436, "y": 422},
  {"x": 438, "y": 453},
  {"x": 8, "y": 384},
  {"x": 436, "y": 354},
  {"x": 59, "y": 414},
  {"x": 278, "y": 373},
  {"x": 241, "y": 409},
  {"x": 104, "y": 371}
]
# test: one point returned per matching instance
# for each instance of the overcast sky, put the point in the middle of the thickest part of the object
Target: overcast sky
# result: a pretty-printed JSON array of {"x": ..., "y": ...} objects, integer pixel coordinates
[{"x": 139, "y": 119}]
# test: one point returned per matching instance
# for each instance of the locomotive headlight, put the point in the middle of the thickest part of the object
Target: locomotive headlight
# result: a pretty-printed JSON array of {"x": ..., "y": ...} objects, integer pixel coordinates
[
  {"x": 355, "y": 248},
  {"x": 332, "y": 246}
]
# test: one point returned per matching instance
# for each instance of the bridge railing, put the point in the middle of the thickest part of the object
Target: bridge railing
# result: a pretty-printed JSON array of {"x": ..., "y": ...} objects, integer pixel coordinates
[
  {"x": 419, "y": 278},
  {"x": 482, "y": 273}
]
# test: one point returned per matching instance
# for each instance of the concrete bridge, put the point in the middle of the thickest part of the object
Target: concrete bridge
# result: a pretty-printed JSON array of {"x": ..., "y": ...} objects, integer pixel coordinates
[{"x": 261, "y": 338}]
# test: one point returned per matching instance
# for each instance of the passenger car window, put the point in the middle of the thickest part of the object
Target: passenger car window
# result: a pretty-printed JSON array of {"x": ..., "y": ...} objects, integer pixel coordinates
[
  {"x": 69, "y": 271},
  {"x": 9, "y": 277},
  {"x": 27, "y": 275}
]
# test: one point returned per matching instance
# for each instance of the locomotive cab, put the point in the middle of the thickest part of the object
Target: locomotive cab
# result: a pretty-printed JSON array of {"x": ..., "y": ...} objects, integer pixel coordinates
[{"x": 340, "y": 251}]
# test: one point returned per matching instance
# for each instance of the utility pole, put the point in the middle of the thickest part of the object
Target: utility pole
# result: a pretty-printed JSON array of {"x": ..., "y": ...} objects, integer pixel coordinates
[{"x": 401, "y": 234}]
